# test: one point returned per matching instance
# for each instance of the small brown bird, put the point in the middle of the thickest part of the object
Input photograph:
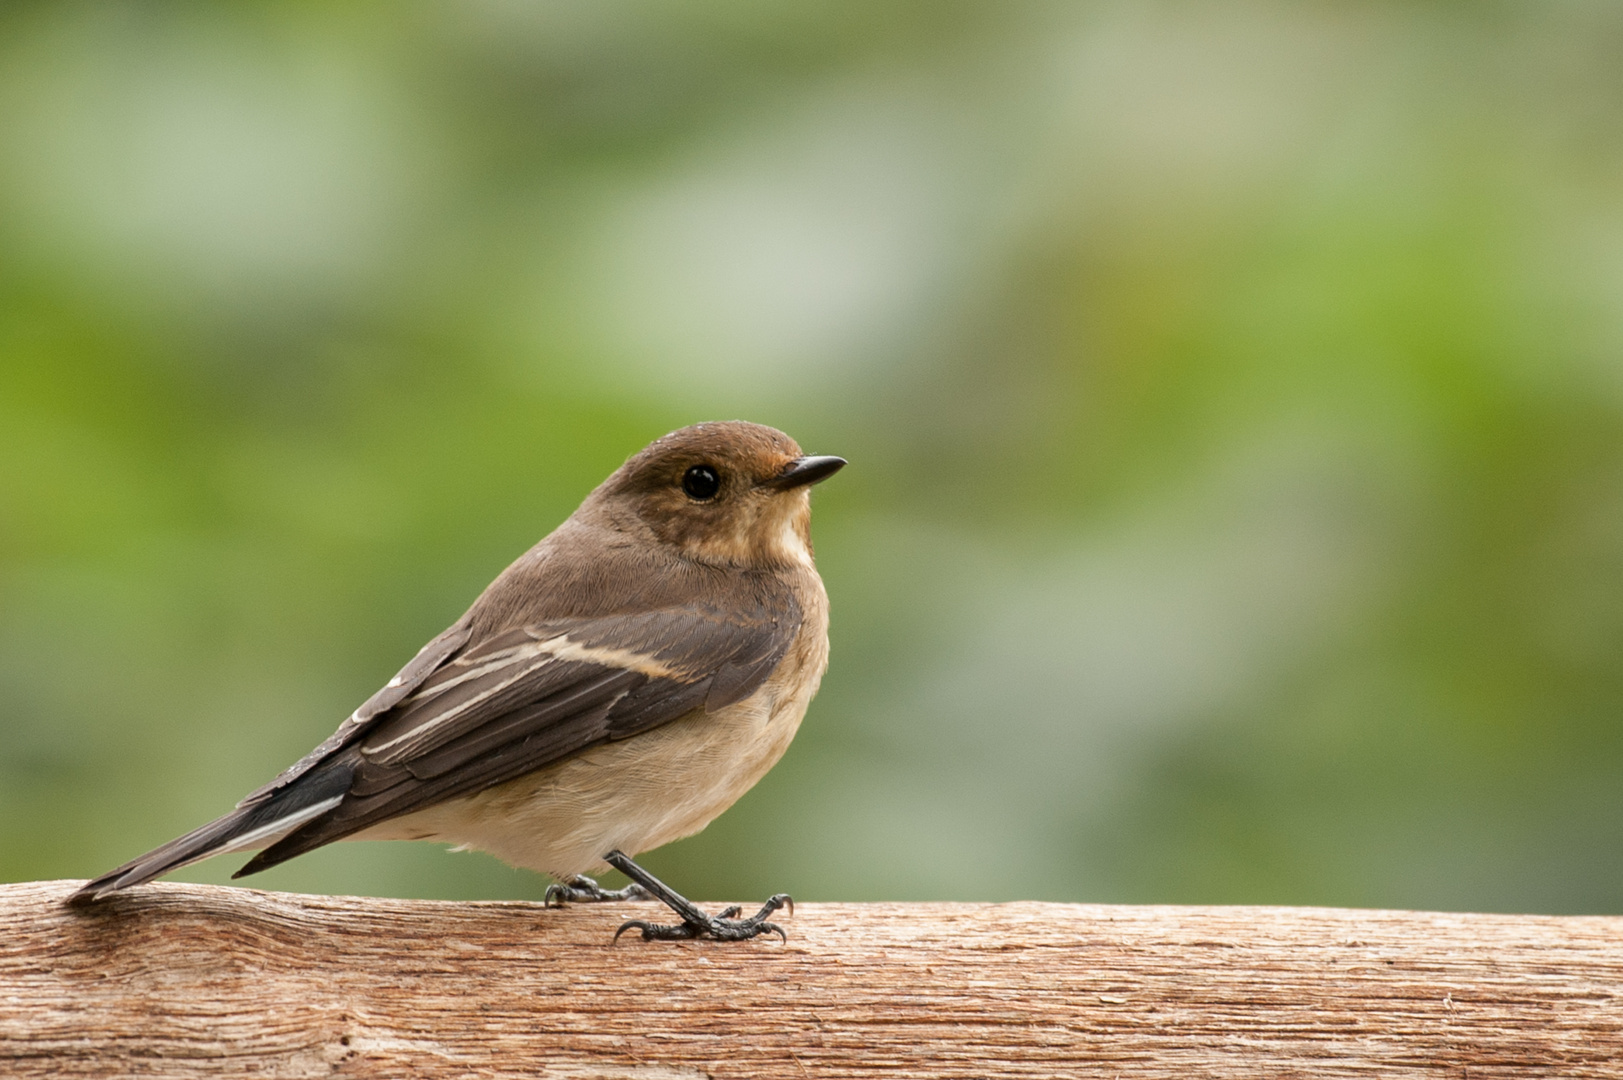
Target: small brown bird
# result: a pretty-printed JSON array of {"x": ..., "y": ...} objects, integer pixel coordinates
[{"x": 616, "y": 688}]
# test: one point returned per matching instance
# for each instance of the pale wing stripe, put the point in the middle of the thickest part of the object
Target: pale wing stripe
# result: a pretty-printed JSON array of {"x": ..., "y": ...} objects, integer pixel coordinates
[
  {"x": 416, "y": 734},
  {"x": 642, "y": 663},
  {"x": 560, "y": 648},
  {"x": 262, "y": 836},
  {"x": 499, "y": 659}
]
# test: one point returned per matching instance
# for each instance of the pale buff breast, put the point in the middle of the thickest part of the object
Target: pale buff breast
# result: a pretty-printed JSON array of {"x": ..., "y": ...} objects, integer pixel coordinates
[{"x": 639, "y": 793}]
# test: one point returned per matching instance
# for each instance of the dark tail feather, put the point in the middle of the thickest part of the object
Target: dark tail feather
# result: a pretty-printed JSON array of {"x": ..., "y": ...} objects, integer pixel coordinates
[
  {"x": 290, "y": 845},
  {"x": 255, "y": 825},
  {"x": 195, "y": 845}
]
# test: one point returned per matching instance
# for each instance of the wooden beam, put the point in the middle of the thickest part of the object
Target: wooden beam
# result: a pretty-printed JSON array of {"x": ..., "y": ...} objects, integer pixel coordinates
[{"x": 193, "y": 980}]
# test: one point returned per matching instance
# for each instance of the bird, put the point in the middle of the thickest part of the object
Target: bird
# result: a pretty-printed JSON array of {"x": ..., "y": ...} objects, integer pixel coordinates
[{"x": 615, "y": 688}]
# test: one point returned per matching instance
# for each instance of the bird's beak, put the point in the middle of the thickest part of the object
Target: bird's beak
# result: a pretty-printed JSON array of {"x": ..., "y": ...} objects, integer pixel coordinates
[{"x": 803, "y": 471}]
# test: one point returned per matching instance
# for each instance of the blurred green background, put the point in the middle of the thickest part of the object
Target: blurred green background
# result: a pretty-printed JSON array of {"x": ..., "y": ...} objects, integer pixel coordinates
[{"x": 1233, "y": 393}]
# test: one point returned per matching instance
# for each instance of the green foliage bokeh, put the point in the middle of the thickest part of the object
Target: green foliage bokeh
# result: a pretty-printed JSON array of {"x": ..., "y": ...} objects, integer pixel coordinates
[{"x": 1234, "y": 396}]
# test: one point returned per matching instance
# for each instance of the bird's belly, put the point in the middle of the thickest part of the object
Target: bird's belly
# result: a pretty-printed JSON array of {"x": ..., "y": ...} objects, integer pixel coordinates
[{"x": 632, "y": 795}]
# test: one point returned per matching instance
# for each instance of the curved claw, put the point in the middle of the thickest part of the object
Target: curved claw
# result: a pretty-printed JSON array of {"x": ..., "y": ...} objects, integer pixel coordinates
[
  {"x": 627, "y": 925},
  {"x": 661, "y": 931},
  {"x": 771, "y": 928}
]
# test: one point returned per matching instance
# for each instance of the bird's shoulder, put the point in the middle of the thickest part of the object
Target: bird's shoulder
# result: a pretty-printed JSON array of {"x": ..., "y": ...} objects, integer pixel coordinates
[{"x": 586, "y": 571}]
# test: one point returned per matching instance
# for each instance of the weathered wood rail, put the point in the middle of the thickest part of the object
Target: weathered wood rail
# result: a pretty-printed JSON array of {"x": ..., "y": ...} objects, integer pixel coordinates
[{"x": 191, "y": 980}]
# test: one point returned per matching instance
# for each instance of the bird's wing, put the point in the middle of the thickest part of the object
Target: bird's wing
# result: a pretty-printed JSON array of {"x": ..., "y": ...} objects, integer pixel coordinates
[
  {"x": 428, "y": 660},
  {"x": 512, "y": 703}
]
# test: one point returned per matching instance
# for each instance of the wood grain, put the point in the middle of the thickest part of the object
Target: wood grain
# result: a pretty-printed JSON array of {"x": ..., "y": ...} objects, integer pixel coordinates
[{"x": 192, "y": 980}]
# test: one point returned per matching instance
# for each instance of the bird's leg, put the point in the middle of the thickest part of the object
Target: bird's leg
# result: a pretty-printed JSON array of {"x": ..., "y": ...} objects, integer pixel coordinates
[
  {"x": 695, "y": 923},
  {"x": 580, "y": 889}
]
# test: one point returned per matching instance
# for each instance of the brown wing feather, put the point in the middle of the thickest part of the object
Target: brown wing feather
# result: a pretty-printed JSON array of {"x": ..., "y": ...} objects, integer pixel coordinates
[{"x": 526, "y": 698}]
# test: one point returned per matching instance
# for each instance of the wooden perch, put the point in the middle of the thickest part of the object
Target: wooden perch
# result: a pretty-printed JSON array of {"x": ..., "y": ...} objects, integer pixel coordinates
[{"x": 192, "y": 980}]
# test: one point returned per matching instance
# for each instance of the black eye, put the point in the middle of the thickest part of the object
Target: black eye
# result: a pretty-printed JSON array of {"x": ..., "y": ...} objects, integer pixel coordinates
[{"x": 701, "y": 482}]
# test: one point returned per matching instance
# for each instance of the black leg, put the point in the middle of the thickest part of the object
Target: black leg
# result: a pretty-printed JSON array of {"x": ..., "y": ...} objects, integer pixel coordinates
[
  {"x": 695, "y": 923},
  {"x": 581, "y": 889}
]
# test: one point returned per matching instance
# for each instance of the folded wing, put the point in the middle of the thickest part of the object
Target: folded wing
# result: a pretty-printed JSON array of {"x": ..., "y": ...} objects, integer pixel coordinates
[{"x": 535, "y": 695}]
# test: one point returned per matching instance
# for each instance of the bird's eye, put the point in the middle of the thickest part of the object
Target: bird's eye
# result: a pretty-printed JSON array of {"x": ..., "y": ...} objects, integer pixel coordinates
[{"x": 701, "y": 482}]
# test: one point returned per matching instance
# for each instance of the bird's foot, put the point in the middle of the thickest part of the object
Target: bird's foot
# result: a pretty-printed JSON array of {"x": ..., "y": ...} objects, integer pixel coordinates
[
  {"x": 726, "y": 926},
  {"x": 580, "y": 889},
  {"x": 695, "y": 924}
]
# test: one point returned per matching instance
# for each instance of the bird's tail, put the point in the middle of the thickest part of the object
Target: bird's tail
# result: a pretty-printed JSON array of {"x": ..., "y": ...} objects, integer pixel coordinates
[{"x": 254, "y": 824}]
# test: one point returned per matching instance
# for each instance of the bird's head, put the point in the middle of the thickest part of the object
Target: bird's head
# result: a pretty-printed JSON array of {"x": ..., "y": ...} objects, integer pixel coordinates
[{"x": 729, "y": 494}]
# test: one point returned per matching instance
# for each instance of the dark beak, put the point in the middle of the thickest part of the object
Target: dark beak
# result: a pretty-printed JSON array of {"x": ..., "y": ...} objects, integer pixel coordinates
[{"x": 805, "y": 470}]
